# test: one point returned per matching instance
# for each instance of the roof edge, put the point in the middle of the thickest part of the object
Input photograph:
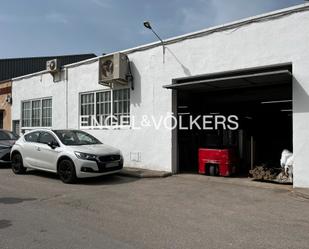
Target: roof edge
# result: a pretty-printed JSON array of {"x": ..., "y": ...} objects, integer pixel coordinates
[
  {"x": 242, "y": 22},
  {"x": 204, "y": 32},
  {"x": 48, "y": 56},
  {"x": 230, "y": 25}
]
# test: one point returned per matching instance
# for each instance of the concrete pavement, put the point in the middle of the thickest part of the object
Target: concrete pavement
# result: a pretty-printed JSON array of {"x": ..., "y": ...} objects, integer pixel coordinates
[
  {"x": 143, "y": 173},
  {"x": 185, "y": 211}
]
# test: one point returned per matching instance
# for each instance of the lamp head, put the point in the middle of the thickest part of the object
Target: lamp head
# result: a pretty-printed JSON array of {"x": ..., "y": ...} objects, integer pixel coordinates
[{"x": 147, "y": 25}]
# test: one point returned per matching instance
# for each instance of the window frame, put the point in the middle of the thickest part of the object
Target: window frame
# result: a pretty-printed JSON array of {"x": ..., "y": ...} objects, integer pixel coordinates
[
  {"x": 36, "y": 112},
  {"x": 47, "y": 117},
  {"x": 16, "y": 126},
  {"x": 120, "y": 102},
  {"x": 23, "y": 112},
  {"x": 30, "y": 127},
  {"x": 49, "y": 133},
  {"x": 102, "y": 102},
  {"x": 111, "y": 108},
  {"x": 29, "y": 133}
]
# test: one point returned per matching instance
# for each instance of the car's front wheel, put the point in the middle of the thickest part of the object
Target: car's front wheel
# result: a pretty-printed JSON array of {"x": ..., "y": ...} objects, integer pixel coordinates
[
  {"x": 17, "y": 164},
  {"x": 66, "y": 171}
]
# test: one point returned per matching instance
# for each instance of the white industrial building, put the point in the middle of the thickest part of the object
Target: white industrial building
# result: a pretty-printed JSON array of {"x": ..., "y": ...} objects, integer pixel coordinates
[{"x": 256, "y": 68}]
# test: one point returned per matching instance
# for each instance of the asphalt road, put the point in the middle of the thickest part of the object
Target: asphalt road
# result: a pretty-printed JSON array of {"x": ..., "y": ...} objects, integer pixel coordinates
[{"x": 38, "y": 211}]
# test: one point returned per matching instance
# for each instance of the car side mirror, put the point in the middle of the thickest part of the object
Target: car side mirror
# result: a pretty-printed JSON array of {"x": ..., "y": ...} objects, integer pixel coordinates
[{"x": 53, "y": 144}]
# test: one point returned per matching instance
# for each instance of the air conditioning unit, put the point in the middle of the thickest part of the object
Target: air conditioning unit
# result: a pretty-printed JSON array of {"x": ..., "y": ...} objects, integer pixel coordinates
[
  {"x": 113, "y": 69},
  {"x": 52, "y": 66}
]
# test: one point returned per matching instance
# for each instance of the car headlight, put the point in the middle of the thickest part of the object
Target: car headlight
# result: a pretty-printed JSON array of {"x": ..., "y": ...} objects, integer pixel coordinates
[{"x": 85, "y": 156}]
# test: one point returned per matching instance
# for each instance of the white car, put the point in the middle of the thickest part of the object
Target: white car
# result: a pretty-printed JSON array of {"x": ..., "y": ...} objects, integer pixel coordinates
[{"x": 69, "y": 153}]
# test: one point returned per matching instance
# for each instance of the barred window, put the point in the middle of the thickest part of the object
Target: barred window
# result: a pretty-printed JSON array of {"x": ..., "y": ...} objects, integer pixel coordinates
[
  {"x": 104, "y": 104},
  {"x": 121, "y": 105},
  {"x": 46, "y": 112},
  {"x": 26, "y": 114},
  {"x": 103, "y": 108},
  {"x": 37, "y": 113},
  {"x": 87, "y": 106}
]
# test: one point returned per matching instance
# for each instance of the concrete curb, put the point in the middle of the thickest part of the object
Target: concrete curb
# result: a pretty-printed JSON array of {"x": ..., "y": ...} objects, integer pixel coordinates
[
  {"x": 143, "y": 173},
  {"x": 237, "y": 181},
  {"x": 301, "y": 192}
]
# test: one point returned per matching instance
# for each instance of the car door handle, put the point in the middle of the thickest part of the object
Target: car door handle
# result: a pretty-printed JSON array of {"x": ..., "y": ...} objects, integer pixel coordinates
[{"x": 38, "y": 148}]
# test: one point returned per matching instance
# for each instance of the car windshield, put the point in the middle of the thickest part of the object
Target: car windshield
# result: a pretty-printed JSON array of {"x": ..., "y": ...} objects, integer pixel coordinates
[
  {"x": 7, "y": 135},
  {"x": 74, "y": 137}
]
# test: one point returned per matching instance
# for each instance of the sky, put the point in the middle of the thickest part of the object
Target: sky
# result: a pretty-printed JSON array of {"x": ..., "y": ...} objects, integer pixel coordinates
[{"x": 58, "y": 27}]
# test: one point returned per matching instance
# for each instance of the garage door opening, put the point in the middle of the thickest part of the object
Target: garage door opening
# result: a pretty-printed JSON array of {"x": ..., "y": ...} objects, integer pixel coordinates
[{"x": 260, "y": 98}]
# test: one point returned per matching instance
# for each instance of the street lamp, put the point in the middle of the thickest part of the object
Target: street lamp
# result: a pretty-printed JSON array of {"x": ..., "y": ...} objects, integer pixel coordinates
[{"x": 148, "y": 26}]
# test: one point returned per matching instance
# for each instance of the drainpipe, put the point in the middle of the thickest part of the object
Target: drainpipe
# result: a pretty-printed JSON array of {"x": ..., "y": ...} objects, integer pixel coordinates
[{"x": 66, "y": 99}]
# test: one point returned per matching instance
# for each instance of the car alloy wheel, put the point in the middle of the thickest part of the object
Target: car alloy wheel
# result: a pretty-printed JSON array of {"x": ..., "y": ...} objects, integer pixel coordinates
[
  {"x": 66, "y": 171},
  {"x": 17, "y": 164}
]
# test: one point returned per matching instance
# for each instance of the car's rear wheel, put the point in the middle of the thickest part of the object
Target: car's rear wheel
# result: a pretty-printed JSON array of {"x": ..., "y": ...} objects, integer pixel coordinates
[
  {"x": 66, "y": 171},
  {"x": 17, "y": 164}
]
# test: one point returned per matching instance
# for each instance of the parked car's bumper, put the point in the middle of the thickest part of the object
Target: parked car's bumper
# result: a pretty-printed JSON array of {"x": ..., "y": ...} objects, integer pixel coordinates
[
  {"x": 87, "y": 168},
  {"x": 87, "y": 175},
  {"x": 5, "y": 155}
]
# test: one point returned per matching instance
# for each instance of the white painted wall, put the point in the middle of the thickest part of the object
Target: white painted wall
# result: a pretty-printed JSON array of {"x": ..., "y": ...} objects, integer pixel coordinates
[
  {"x": 259, "y": 44},
  {"x": 39, "y": 86}
]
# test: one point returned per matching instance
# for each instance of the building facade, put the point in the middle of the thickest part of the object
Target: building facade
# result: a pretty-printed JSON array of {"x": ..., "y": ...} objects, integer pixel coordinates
[
  {"x": 14, "y": 67},
  {"x": 5, "y": 105},
  {"x": 261, "y": 60}
]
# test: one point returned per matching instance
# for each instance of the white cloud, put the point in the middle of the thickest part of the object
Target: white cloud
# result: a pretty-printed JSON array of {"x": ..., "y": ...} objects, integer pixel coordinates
[
  {"x": 57, "y": 18},
  {"x": 227, "y": 10},
  {"x": 205, "y": 13},
  {"x": 231, "y": 10},
  {"x": 143, "y": 31},
  {"x": 198, "y": 16},
  {"x": 102, "y": 3},
  {"x": 4, "y": 18}
]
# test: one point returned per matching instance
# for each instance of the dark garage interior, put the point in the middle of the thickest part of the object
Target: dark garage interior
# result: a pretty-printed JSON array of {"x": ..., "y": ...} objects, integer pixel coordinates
[{"x": 261, "y": 99}]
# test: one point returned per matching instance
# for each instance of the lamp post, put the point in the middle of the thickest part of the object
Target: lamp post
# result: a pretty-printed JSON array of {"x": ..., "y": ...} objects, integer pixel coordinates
[{"x": 148, "y": 26}]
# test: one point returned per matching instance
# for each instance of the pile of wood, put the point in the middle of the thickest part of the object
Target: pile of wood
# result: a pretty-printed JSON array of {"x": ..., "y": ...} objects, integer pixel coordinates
[{"x": 265, "y": 173}]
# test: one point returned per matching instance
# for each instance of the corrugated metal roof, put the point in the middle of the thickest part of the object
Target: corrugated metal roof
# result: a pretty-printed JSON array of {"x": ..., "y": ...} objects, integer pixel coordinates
[{"x": 15, "y": 67}]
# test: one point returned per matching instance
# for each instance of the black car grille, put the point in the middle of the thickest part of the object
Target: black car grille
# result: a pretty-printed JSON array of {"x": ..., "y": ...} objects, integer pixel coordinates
[
  {"x": 102, "y": 168},
  {"x": 109, "y": 158}
]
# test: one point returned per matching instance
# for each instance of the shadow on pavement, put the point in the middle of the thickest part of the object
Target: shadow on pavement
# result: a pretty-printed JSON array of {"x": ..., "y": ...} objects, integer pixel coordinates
[
  {"x": 106, "y": 180},
  {"x": 44, "y": 174},
  {"x": 100, "y": 180},
  {"x": 5, "y": 224},
  {"x": 13, "y": 200}
]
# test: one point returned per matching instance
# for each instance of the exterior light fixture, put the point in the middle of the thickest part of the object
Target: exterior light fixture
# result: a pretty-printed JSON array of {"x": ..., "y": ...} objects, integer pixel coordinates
[
  {"x": 148, "y": 26},
  {"x": 277, "y": 101},
  {"x": 8, "y": 99}
]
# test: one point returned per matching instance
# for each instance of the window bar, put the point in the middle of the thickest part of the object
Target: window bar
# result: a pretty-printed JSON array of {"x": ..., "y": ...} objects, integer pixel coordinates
[
  {"x": 30, "y": 123},
  {"x": 41, "y": 116}
]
